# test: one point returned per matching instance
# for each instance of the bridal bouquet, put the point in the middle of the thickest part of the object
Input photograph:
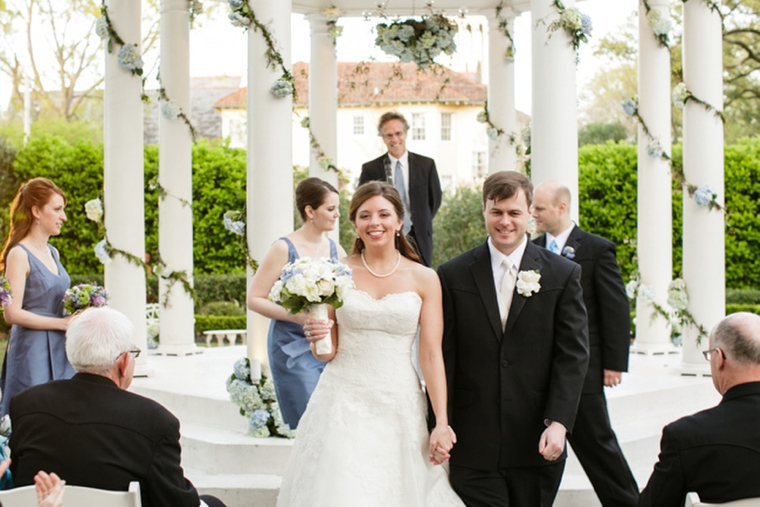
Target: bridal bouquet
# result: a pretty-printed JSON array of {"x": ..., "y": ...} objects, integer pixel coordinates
[
  {"x": 83, "y": 296},
  {"x": 312, "y": 284},
  {"x": 5, "y": 292}
]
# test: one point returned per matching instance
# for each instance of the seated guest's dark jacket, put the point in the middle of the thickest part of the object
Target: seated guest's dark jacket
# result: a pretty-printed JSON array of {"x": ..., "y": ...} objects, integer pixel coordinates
[{"x": 92, "y": 433}]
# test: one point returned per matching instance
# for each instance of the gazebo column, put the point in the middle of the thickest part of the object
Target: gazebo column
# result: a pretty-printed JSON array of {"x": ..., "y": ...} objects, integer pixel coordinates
[
  {"x": 554, "y": 126},
  {"x": 501, "y": 94},
  {"x": 269, "y": 158},
  {"x": 654, "y": 223},
  {"x": 175, "y": 215},
  {"x": 323, "y": 100},
  {"x": 123, "y": 186},
  {"x": 703, "y": 229}
]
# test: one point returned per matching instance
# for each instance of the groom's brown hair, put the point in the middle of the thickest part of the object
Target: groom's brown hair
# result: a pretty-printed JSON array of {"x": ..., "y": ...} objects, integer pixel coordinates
[{"x": 505, "y": 184}]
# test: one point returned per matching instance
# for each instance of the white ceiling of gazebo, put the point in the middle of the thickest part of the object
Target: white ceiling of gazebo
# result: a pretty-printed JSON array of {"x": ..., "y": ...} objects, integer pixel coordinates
[{"x": 407, "y": 7}]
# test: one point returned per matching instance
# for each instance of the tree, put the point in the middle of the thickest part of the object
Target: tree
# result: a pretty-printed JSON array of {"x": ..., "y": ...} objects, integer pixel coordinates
[
  {"x": 600, "y": 133},
  {"x": 55, "y": 46}
]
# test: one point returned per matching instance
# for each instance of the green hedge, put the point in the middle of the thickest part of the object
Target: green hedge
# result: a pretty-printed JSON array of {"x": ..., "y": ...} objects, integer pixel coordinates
[{"x": 208, "y": 322}]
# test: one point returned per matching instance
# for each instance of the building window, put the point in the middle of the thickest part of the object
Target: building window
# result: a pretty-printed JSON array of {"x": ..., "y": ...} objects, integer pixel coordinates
[
  {"x": 445, "y": 126},
  {"x": 478, "y": 164},
  {"x": 358, "y": 125},
  {"x": 418, "y": 126}
]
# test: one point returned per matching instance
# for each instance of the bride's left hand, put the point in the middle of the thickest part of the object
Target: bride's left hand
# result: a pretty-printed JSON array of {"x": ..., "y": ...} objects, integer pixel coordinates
[{"x": 442, "y": 440}]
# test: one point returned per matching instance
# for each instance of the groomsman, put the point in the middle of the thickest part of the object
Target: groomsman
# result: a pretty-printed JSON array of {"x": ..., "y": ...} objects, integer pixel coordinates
[
  {"x": 593, "y": 440},
  {"x": 515, "y": 346},
  {"x": 414, "y": 176}
]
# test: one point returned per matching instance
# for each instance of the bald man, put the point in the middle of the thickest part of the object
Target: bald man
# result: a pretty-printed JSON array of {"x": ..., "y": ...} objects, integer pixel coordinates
[
  {"x": 593, "y": 440},
  {"x": 716, "y": 452}
]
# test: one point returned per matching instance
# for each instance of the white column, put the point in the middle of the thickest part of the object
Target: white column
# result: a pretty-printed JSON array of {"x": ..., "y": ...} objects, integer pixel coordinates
[
  {"x": 501, "y": 94},
  {"x": 654, "y": 224},
  {"x": 270, "y": 141},
  {"x": 323, "y": 100},
  {"x": 703, "y": 230},
  {"x": 554, "y": 124},
  {"x": 123, "y": 185},
  {"x": 175, "y": 215}
]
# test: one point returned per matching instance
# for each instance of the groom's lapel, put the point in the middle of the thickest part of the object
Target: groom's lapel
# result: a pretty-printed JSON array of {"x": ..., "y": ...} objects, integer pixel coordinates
[
  {"x": 529, "y": 263},
  {"x": 483, "y": 276}
]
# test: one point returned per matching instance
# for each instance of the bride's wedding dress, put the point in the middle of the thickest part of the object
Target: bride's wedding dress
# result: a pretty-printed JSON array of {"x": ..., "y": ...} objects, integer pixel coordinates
[{"x": 363, "y": 440}]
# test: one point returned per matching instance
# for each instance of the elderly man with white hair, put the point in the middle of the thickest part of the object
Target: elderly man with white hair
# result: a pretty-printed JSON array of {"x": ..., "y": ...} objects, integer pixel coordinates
[{"x": 90, "y": 431}]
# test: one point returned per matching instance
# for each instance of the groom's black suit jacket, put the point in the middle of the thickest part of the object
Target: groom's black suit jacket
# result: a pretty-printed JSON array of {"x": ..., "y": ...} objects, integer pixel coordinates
[
  {"x": 424, "y": 191},
  {"x": 504, "y": 386},
  {"x": 92, "y": 433}
]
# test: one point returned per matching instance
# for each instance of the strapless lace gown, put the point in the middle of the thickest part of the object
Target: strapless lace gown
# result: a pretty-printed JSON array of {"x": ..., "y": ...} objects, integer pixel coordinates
[{"x": 363, "y": 439}]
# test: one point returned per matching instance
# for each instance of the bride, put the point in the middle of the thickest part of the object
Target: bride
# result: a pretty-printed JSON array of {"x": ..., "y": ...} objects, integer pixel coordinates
[{"x": 363, "y": 439}]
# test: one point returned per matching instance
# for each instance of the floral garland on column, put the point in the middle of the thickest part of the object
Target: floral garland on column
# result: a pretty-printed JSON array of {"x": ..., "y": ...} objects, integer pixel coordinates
[
  {"x": 234, "y": 221},
  {"x": 104, "y": 251},
  {"x": 681, "y": 95},
  {"x": 504, "y": 27},
  {"x": 577, "y": 25},
  {"x": 660, "y": 25},
  {"x": 130, "y": 58},
  {"x": 495, "y": 133},
  {"x": 242, "y": 15},
  {"x": 325, "y": 162},
  {"x": 704, "y": 195},
  {"x": 171, "y": 110},
  {"x": 332, "y": 14},
  {"x": 679, "y": 317}
]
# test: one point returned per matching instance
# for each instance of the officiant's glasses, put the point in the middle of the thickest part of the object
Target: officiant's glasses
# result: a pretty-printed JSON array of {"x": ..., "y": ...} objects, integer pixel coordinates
[{"x": 136, "y": 352}]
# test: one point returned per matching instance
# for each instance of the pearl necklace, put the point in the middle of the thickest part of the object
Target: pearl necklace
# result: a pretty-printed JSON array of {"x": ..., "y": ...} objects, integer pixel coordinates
[{"x": 389, "y": 273}]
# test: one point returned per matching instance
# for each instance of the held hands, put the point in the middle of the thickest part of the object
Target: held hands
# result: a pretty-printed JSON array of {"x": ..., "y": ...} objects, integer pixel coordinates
[
  {"x": 552, "y": 443},
  {"x": 315, "y": 330},
  {"x": 442, "y": 440}
]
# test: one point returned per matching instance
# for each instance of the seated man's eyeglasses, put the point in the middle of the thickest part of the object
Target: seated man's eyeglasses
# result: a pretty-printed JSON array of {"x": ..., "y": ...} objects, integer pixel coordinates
[
  {"x": 136, "y": 352},
  {"x": 708, "y": 353}
]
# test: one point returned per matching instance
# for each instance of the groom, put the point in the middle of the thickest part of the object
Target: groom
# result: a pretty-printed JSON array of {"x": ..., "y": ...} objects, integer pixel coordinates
[{"x": 516, "y": 353}]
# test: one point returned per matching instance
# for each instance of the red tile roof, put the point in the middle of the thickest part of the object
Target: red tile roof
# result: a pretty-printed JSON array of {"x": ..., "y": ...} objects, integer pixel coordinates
[{"x": 381, "y": 83}]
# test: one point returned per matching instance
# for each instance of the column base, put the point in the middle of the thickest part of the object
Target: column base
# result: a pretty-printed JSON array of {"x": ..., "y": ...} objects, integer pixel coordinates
[
  {"x": 177, "y": 350},
  {"x": 694, "y": 370},
  {"x": 143, "y": 370},
  {"x": 654, "y": 349}
]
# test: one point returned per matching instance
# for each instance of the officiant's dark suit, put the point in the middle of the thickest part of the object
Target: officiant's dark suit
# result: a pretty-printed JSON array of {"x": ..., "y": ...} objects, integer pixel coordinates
[
  {"x": 423, "y": 188},
  {"x": 593, "y": 440},
  {"x": 716, "y": 452},
  {"x": 513, "y": 392}
]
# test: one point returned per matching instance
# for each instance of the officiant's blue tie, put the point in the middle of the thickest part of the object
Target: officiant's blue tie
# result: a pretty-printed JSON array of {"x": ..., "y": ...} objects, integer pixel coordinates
[
  {"x": 553, "y": 247},
  {"x": 398, "y": 181}
]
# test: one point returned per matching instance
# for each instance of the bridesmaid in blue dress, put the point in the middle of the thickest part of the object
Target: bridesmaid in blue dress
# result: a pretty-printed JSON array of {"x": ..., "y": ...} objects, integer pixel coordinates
[
  {"x": 36, "y": 351},
  {"x": 295, "y": 370}
]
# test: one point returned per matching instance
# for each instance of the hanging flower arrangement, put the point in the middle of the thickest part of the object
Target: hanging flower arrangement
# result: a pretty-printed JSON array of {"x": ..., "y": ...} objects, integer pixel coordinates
[{"x": 418, "y": 41}]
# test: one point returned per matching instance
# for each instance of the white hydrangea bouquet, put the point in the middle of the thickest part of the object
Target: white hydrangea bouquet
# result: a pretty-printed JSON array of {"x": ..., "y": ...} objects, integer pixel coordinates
[
  {"x": 312, "y": 284},
  {"x": 257, "y": 402}
]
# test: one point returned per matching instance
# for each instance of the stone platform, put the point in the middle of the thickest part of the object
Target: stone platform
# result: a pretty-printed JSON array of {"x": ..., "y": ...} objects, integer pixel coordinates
[{"x": 220, "y": 459}]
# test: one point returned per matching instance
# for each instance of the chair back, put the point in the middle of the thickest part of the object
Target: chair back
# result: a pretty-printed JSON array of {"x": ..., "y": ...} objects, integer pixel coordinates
[
  {"x": 76, "y": 496},
  {"x": 692, "y": 500}
]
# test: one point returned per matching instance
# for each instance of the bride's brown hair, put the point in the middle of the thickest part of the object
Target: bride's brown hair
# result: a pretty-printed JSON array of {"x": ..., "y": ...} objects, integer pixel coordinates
[
  {"x": 35, "y": 192},
  {"x": 389, "y": 192}
]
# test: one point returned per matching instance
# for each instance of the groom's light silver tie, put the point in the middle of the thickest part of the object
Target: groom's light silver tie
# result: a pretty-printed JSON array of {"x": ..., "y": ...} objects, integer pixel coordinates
[
  {"x": 506, "y": 291},
  {"x": 398, "y": 182}
]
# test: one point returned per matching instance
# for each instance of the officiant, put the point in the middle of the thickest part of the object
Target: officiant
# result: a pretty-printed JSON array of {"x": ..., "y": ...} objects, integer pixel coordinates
[{"x": 414, "y": 176}]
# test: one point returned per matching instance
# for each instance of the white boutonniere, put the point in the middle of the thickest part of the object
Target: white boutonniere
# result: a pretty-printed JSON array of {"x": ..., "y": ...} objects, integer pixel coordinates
[
  {"x": 527, "y": 283},
  {"x": 568, "y": 252}
]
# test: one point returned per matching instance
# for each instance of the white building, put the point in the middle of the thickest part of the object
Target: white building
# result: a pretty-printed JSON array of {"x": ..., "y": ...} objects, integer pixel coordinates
[{"x": 440, "y": 105}]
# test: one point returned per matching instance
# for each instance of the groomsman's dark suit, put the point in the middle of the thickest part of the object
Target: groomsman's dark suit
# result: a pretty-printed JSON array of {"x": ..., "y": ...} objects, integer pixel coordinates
[
  {"x": 593, "y": 440},
  {"x": 424, "y": 189},
  {"x": 715, "y": 453},
  {"x": 92, "y": 433},
  {"x": 510, "y": 388}
]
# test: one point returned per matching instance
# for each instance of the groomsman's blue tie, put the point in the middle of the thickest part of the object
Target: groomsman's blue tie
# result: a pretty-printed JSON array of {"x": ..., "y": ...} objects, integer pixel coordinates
[
  {"x": 398, "y": 181},
  {"x": 553, "y": 247}
]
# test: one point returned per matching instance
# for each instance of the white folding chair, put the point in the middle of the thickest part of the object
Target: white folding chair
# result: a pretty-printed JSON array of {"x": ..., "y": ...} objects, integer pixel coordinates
[
  {"x": 76, "y": 496},
  {"x": 692, "y": 500}
]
